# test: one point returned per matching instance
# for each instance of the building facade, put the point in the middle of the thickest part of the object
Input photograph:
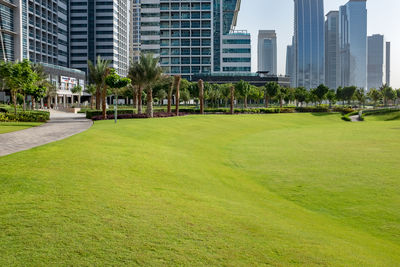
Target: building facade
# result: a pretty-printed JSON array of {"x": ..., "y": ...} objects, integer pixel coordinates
[
  {"x": 309, "y": 44},
  {"x": 332, "y": 56},
  {"x": 376, "y": 60},
  {"x": 100, "y": 28},
  {"x": 353, "y": 43},
  {"x": 387, "y": 74},
  {"x": 134, "y": 31},
  {"x": 267, "y": 51},
  {"x": 193, "y": 37}
]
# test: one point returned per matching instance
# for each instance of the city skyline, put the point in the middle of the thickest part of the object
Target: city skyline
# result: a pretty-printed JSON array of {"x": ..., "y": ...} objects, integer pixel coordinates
[{"x": 279, "y": 17}]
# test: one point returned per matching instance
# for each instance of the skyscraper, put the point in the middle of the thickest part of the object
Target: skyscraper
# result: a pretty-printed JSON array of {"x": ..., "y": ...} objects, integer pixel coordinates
[
  {"x": 11, "y": 31},
  {"x": 134, "y": 31},
  {"x": 309, "y": 44},
  {"x": 267, "y": 51},
  {"x": 332, "y": 58},
  {"x": 376, "y": 60},
  {"x": 353, "y": 43},
  {"x": 99, "y": 28},
  {"x": 195, "y": 37},
  {"x": 388, "y": 63}
]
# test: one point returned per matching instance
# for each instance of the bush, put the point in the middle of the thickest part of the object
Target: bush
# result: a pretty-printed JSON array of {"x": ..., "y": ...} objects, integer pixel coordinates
[
  {"x": 92, "y": 113},
  {"x": 25, "y": 116},
  {"x": 343, "y": 110},
  {"x": 312, "y": 109}
]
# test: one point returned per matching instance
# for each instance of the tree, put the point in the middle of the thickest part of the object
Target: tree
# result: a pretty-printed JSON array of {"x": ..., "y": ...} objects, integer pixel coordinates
[
  {"x": 331, "y": 96},
  {"x": 151, "y": 73},
  {"x": 116, "y": 83},
  {"x": 200, "y": 85},
  {"x": 398, "y": 95},
  {"x": 282, "y": 92},
  {"x": 17, "y": 76},
  {"x": 243, "y": 88},
  {"x": 161, "y": 95},
  {"x": 97, "y": 76},
  {"x": 300, "y": 95},
  {"x": 290, "y": 95},
  {"x": 387, "y": 93},
  {"x": 348, "y": 93},
  {"x": 36, "y": 92},
  {"x": 177, "y": 82},
  {"x": 51, "y": 91},
  {"x": 77, "y": 90},
  {"x": 339, "y": 94},
  {"x": 91, "y": 89},
  {"x": 271, "y": 90},
  {"x": 137, "y": 80},
  {"x": 374, "y": 95},
  {"x": 360, "y": 95},
  {"x": 320, "y": 92}
]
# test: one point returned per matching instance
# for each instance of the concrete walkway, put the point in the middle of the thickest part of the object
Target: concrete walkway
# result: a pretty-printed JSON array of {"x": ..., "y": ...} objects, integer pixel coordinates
[{"x": 60, "y": 126}]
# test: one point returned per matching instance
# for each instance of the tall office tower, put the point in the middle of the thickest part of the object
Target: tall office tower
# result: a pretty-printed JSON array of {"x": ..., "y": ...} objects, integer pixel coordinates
[
  {"x": 194, "y": 36},
  {"x": 309, "y": 44},
  {"x": 267, "y": 51},
  {"x": 134, "y": 31},
  {"x": 99, "y": 28},
  {"x": 11, "y": 31},
  {"x": 353, "y": 43},
  {"x": 332, "y": 55},
  {"x": 376, "y": 60},
  {"x": 388, "y": 63},
  {"x": 48, "y": 31}
]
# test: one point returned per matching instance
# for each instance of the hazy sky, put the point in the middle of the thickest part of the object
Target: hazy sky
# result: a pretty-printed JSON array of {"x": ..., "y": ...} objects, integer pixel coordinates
[{"x": 383, "y": 18}]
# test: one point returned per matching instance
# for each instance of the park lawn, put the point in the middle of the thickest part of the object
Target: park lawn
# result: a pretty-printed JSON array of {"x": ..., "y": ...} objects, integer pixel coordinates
[
  {"x": 7, "y": 127},
  {"x": 279, "y": 189},
  {"x": 390, "y": 116}
]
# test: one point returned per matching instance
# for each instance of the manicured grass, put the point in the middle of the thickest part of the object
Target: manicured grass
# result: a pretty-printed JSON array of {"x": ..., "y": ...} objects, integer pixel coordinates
[
  {"x": 6, "y": 127},
  {"x": 281, "y": 189},
  {"x": 390, "y": 116}
]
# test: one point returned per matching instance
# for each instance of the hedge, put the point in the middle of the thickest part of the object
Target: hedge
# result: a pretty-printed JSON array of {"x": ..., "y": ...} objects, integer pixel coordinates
[
  {"x": 312, "y": 109},
  {"x": 25, "y": 116},
  {"x": 91, "y": 113}
]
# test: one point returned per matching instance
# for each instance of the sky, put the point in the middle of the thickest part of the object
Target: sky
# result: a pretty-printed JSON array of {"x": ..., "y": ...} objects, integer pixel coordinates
[{"x": 254, "y": 15}]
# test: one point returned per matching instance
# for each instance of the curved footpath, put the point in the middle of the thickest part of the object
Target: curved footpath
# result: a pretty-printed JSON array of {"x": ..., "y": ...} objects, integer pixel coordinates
[{"x": 60, "y": 126}]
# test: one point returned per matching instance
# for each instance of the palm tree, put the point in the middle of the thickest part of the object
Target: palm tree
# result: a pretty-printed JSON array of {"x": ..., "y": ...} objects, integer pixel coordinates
[
  {"x": 232, "y": 98},
  {"x": 150, "y": 72},
  {"x": 200, "y": 84},
  {"x": 91, "y": 89},
  {"x": 177, "y": 79},
  {"x": 271, "y": 89},
  {"x": 51, "y": 91},
  {"x": 97, "y": 76},
  {"x": 136, "y": 75}
]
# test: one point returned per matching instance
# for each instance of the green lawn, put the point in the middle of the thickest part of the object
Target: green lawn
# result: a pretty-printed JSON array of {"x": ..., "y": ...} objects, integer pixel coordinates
[
  {"x": 281, "y": 189},
  {"x": 7, "y": 127}
]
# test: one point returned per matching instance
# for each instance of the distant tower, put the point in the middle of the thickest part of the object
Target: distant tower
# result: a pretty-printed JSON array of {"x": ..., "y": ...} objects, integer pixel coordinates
[
  {"x": 267, "y": 51},
  {"x": 353, "y": 43},
  {"x": 309, "y": 44},
  {"x": 332, "y": 58},
  {"x": 388, "y": 63},
  {"x": 376, "y": 60}
]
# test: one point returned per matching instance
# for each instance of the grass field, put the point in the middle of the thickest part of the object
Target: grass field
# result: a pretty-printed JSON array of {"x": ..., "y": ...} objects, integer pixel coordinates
[
  {"x": 280, "y": 189},
  {"x": 7, "y": 127}
]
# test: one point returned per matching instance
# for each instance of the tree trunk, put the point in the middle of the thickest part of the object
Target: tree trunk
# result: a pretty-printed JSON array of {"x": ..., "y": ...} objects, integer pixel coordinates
[
  {"x": 171, "y": 89},
  {"x": 245, "y": 101},
  {"x": 149, "y": 110},
  {"x": 200, "y": 85},
  {"x": 232, "y": 100},
  {"x": 98, "y": 92},
  {"x": 281, "y": 102},
  {"x": 177, "y": 95},
  {"x": 104, "y": 103},
  {"x": 91, "y": 102},
  {"x": 14, "y": 99},
  {"x": 266, "y": 101},
  {"x": 24, "y": 106},
  {"x": 140, "y": 100},
  {"x": 135, "y": 99}
]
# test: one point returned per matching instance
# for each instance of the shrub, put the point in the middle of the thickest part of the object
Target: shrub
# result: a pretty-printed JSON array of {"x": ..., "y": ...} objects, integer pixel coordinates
[
  {"x": 343, "y": 110},
  {"x": 26, "y": 116},
  {"x": 319, "y": 109},
  {"x": 92, "y": 113}
]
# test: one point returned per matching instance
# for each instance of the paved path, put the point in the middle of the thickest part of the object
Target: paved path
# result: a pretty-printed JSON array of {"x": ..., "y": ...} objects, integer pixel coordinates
[{"x": 60, "y": 126}]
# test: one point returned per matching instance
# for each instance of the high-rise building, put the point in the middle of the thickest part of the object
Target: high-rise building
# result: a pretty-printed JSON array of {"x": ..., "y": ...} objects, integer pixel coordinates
[
  {"x": 11, "y": 31},
  {"x": 376, "y": 60},
  {"x": 289, "y": 60},
  {"x": 267, "y": 51},
  {"x": 99, "y": 28},
  {"x": 309, "y": 44},
  {"x": 388, "y": 63},
  {"x": 332, "y": 55},
  {"x": 194, "y": 37},
  {"x": 134, "y": 31},
  {"x": 353, "y": 43}
]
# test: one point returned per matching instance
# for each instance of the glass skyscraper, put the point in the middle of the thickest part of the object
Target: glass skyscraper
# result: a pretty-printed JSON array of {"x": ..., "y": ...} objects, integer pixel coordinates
[
  {"x": 376, "y": 60},
  {"x": 332, "y": 58},
  {"x": 309, "y": 44},
  {"x": 353, "y": 43},
  {"x": 267, "y": 51}
]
